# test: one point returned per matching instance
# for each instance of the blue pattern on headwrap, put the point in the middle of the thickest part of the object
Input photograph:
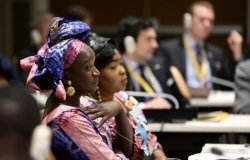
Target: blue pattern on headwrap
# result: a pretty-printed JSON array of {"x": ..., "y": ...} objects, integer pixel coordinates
[{"x": 61, "y": 34}]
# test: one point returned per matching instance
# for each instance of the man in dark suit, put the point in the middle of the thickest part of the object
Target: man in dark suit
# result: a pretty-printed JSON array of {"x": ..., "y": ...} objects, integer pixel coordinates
[
  {"x": 137, "y": 43},
  {"x": 197, "y": 60}
]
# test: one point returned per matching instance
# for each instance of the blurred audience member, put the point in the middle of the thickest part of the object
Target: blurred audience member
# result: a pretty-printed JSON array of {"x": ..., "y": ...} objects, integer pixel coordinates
[
  {"x": 38, "y": 35},
  {"x": 198, "y": 60},
  {"x": 80, "y": 13},
  {"x": 39, "y": 29},
  {"x": 242, "y": 89},
  {"x": 8, "y": 74},
  {"x": 18, "y": 117},
  {"x": 137, "y": 44}
]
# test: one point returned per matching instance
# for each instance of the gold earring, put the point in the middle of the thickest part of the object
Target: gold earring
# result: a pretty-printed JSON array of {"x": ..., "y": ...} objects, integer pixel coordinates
[
  {"x": 70, "y": 90},
  {"x": 98, "y": 94}
]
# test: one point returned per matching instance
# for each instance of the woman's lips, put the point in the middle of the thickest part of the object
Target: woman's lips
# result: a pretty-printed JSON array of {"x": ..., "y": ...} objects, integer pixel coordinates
[{"x": 125, "y": 81}]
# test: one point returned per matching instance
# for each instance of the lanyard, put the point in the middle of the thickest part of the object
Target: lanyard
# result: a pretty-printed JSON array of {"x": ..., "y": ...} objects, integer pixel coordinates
[
  {"x": 140, "y": 80},
  {"x": 200, "y": 69}
]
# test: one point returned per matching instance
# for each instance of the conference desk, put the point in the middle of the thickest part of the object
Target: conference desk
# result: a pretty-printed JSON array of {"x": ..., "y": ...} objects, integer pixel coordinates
[
  {"x": 232, "y": 124},
  {"x": 183, "y": 139},
  {"x": 215, "y": 99}
]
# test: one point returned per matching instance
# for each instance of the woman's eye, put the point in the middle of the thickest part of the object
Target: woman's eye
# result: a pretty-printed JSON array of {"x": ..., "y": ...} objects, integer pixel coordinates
[
  {"x": 113, "y": 67},
  {"x": 88, "y": 66}
]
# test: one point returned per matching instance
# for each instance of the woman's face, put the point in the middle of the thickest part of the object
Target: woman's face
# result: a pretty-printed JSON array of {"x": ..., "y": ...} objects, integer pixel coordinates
[
  {"x": 83, "y": 73},
  {"x": 113, "y": 76}
]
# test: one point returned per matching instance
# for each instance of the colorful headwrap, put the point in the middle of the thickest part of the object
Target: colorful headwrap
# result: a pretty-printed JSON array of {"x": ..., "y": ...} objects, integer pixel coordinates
[{"x": 65, "y": 41}]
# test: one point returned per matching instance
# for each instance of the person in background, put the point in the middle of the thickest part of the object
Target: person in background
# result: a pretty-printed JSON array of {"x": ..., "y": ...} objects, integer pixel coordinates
[
  {"x": 113, "y": 79},
  {"x": 8, "y": 73},
  {"x": 19, "y": 116},
  {"x": 198, "y": 60},
  {"x": 242, "y": 87},
  {"x": 137, "y": 42},
  {"x": 62, "y": 65},
  {"x": 38, "y": 35},
  {"x": 80, "y": 13}
]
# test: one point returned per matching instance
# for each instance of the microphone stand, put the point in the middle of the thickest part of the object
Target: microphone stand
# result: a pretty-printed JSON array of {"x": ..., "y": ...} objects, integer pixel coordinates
[
  {"x": 153, "y": 95},
  {"x": 223, "y": 82}
]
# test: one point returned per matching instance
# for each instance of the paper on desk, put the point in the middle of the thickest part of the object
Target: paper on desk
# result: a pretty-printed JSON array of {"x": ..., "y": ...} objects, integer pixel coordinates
[
  {"x": 210, "y": 156},
  {"x": 216, "y": 116}
]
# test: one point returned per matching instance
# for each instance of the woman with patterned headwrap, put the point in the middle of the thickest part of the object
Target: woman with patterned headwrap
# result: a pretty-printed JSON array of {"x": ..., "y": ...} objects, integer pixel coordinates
[{"x": 66, "y": 62}]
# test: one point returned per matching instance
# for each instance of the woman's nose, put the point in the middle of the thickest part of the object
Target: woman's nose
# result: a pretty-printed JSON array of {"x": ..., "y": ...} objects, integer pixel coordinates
[
  {"x": 96, "y": 72},
  {"x": 122, "y": 70}
]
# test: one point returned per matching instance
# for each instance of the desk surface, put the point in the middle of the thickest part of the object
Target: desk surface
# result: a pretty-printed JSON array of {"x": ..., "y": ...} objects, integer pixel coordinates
[
  {"x": 215, "y": 99},
  {"x": 233, "y": 124},
  {"x": 230, "y": 151}
]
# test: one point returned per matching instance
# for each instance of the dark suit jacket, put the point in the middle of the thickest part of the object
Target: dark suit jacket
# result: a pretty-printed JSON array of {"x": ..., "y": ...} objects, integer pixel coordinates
[
  {"x": 173, "y": 51},
  {"x": 161, "y": 71},
  {"x": 242, "y": 89}
]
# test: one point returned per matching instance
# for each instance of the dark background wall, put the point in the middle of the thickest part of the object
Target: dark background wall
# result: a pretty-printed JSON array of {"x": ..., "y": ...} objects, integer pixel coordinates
[
  {"x": 230, "y": 14},
  {"x": 1, "y": 28}
]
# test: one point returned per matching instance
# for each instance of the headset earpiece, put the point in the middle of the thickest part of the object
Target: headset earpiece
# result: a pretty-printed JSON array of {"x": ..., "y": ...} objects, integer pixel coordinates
[
  {"x": 129, "y": 44},
  {"x": 187, "y": 20},
  {"x": 36, "y": 37}
]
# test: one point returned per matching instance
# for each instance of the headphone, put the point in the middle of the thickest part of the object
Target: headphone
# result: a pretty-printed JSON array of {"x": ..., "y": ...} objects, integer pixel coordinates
[
  {"x": 187, "y": 21},
  {"x": 36, "y": 37},
  {"x": 129, "y": 44}
]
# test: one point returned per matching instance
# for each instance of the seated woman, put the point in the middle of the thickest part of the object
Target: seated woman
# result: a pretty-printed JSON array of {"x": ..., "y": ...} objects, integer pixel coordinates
[
  {"x": 113, "y": 79},
  {"x": 66, "y": 62}
]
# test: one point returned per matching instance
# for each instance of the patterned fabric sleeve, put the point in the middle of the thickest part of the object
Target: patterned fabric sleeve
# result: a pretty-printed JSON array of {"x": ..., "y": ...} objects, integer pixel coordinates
[
  {"x": 110, "y": 127},
  {"x": 87, "y": 139},
  {"x": 143, "y": 136}
]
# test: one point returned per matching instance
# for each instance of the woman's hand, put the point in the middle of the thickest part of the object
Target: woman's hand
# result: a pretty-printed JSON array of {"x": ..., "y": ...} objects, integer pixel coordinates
[
  {"x": 159, "y": 155},
  {"x": 105, "y": 110}
]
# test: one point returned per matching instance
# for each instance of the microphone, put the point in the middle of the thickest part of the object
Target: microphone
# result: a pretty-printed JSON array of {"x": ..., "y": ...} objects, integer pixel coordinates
[
  {"x": 153, "y": 95},
  {"x": 219, "y": 152},
  {"x": 216, "y": 151},
  {"x": 223, "y": 82}
]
